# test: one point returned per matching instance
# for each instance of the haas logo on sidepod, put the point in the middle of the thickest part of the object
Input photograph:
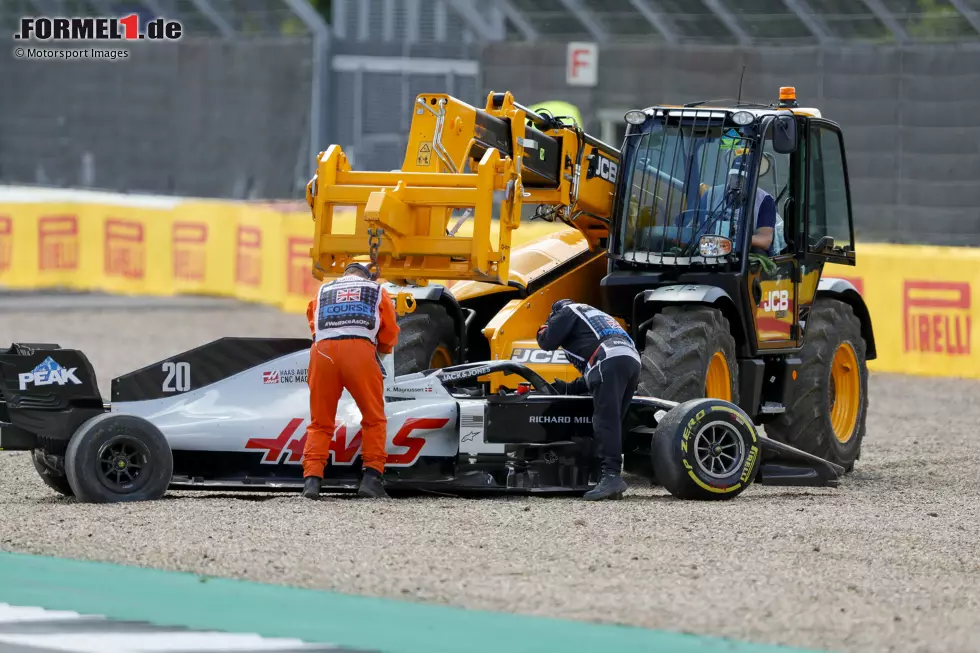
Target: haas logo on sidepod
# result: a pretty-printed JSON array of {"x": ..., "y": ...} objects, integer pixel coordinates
[{"x": 345, "y": 445}]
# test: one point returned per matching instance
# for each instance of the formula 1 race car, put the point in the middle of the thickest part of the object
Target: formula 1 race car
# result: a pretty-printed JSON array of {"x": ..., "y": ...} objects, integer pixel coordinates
[{"x": 231, "y": 414}]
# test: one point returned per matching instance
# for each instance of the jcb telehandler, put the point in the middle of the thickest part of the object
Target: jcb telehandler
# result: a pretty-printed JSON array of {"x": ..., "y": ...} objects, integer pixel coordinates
[{"x": 663, "y": 236}]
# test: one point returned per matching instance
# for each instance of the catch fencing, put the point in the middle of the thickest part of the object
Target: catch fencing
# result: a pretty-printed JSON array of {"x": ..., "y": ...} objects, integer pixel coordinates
[
  {"x": 215, "y": 118},
  {"x": 911, "y": 115},
  {"x": 231, "y": 119}
]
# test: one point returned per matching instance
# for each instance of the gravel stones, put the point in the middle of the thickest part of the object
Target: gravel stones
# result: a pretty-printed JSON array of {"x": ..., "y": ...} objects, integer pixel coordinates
[{"x": 890, "y": 561}]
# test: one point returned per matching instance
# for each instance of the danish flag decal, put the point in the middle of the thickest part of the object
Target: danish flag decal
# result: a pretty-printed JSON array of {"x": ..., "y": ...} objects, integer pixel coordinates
[{"x": 344, "y": 449}]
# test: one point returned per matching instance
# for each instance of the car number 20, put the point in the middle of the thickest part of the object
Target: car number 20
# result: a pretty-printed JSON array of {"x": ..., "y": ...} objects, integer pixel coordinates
[{"x": 178, "y": 377}]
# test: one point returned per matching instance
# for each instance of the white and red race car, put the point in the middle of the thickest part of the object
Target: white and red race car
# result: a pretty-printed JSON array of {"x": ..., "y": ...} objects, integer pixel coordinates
[{"x": 232, "y": 414}]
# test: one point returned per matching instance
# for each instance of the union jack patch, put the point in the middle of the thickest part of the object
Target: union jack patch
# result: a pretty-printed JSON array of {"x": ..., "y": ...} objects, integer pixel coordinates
[{"x": 349, "y": 295}]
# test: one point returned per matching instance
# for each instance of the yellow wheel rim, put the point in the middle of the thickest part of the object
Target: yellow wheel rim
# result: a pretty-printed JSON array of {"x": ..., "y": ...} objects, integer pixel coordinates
[
  {"x": 441, "y": 357},
  {"x": 718, "y": 382},
  {"x": 846, "y": 392}
]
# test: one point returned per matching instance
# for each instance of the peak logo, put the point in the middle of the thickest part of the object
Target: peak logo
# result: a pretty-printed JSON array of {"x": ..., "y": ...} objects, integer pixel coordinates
[
  {"x": 937, "y": 317},
  {"x": 48, "y": 373}
]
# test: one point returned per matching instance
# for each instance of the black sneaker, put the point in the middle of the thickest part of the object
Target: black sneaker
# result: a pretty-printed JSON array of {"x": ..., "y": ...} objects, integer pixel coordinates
[
  {"x": 611, "y": 486},
  {"x": 311, "y": 488},
  {"x": 372, "y": 485}
]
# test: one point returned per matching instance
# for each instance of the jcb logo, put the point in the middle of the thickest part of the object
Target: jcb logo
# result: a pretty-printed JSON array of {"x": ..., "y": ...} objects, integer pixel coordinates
[
  {"x": 248, "y": 269},
  {"x": 190, "y": 259},
  {"x": 6, "y": 242},
  {"x": 604, "y": 168},
  {"x": 57, "y": 238},
  {"x": 539, "y": 356},
  {"x": 124, "y": 249},
  {"x": 299, "y": 267},
  {"x": 775, "y": 301},
  {"x": 937, "y": 317}
]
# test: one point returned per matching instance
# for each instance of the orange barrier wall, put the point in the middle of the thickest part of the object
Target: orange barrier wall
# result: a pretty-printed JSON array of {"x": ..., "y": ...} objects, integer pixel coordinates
[{"x": 924, "y": 301}]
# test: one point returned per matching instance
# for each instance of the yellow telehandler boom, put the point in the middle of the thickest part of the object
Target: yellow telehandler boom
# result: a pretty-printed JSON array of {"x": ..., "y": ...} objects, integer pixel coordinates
[{"x": 459, "y": 162}]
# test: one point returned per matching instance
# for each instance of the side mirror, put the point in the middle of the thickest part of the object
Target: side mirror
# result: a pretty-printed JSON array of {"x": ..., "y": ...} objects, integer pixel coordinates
[{"x": 784, "y": 134}]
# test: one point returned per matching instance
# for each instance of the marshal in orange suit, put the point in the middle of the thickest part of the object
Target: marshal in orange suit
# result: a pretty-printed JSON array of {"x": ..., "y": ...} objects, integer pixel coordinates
[{"x": 353, "y": 321}]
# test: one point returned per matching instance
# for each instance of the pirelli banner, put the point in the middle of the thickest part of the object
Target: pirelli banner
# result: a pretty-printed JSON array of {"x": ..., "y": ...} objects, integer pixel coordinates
[
  {"x": 923, "y": 300},
  {"x": 156, "y": 246},
  {"x": 152, "y": 245},
  {"x": 925, "y": 305}
]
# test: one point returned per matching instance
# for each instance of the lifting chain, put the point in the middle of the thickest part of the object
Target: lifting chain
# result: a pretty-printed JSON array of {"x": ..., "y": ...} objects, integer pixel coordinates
[{"x": 374, "y": 244}]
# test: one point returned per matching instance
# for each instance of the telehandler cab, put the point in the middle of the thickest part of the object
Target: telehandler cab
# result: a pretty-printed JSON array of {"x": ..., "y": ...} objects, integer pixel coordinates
[{"x": 664, "y": 237}]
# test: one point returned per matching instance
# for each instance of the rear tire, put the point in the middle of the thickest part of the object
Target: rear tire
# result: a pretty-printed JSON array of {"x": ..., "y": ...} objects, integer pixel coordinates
[
  {"x": 51, "y": 469},
  {"x": 706, "y": 450},
  {"x": 822, "y": 420},
  {"x": 682, "y": 345},
  {"x": 427, "y": 340},
  {"x": 114, "y": 458}
]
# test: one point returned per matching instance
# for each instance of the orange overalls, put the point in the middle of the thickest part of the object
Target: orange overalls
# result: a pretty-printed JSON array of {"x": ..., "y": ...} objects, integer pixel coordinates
[{"x": 339, "y": 360}]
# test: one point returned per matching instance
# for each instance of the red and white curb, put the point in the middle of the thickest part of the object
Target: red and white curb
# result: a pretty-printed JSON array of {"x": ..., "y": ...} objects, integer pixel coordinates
[{"x": 36, "y": 630}]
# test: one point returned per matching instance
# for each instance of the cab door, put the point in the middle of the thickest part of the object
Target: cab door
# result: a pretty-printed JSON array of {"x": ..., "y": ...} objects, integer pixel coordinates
[
  {"x": 773, "y": 280},
  {"x": 827, "y": 223}
]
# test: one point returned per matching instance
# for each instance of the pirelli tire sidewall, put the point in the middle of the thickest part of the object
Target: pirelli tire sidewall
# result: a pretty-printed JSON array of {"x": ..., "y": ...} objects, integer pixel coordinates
[{"x": 674, "y": 455}]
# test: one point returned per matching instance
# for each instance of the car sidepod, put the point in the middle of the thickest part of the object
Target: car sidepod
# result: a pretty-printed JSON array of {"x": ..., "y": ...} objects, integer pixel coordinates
[{"x": 249, "y": 427}]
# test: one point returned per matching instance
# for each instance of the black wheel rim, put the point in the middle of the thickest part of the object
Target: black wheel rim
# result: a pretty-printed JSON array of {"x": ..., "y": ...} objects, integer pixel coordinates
[
  {"x": 718, "y": 449},
  {"x": 123, "y": 464}
]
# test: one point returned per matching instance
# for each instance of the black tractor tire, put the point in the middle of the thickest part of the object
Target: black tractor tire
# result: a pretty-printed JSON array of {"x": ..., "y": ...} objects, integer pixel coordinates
[
  {"x": 680, "y": 345},
  {"x": 706, "y": 450},
  {"x": 427, "y": 337},
  {"x": 807, "y": 423},
  {"x": 115, "y": 458},
  {"x": 51, "y": 469}
]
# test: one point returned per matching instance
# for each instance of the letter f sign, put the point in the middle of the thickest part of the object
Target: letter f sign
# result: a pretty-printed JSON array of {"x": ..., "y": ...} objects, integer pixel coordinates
[{"x": 582, "y": 69}]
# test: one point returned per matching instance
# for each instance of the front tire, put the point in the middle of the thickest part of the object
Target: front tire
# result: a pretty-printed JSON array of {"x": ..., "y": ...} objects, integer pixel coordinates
[
  {"x": 428, "y": 340},
  {"x": 706, "y": 450},
  {"x": 114, "y": 458},
  {"x": 830, "y": 408},
  {"x": 689, "y": 354},
  {"x": 51, "y": 469}
]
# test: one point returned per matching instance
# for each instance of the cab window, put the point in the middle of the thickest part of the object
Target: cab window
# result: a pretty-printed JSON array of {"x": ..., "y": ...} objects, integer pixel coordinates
[{"x": 828, "y": 208}]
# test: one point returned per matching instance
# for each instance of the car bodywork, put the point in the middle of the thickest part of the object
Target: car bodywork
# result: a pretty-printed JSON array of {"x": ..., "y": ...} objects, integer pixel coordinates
[{"x": 234, "y": 412}]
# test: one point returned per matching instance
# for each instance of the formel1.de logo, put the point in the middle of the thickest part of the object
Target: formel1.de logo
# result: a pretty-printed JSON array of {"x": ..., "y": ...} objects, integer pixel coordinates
[{"x": 48, "y": 29}]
